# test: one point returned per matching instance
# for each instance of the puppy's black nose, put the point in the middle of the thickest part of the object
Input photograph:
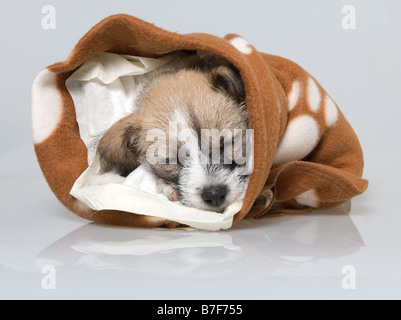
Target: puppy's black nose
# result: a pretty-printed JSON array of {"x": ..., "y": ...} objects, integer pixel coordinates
[{"x": 215, "y": 195}]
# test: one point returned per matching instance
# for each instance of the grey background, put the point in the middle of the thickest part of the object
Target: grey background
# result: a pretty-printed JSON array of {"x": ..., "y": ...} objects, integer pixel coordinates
[{"x": 359, "y": 68}]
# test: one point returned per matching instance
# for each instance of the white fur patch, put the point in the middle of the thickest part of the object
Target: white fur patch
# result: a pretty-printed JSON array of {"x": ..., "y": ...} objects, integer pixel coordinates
[
  {"x": 241, "y": 45},
  {"x": 330, "y": 111},
  {"x": 46, "y": 106},
  {"x": 299, "y": 139},
  {"x": 293, "y": 96},
  {"x": 181, "y": 120},
  {"x": 308, "y": 198},
  {"x": 314, "y": 96}
]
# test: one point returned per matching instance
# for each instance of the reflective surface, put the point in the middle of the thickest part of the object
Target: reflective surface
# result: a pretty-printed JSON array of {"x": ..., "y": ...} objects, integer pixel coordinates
[
  {"x": 254, "y": 247},
  {"x": 299, "y": 256}
]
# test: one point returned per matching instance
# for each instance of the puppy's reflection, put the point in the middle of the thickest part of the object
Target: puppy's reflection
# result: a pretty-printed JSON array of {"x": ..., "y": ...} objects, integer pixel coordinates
[{"x": 250, "y": 246}]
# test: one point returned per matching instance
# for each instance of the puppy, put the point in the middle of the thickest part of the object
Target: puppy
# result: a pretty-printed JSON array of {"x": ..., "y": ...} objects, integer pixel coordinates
[{"x": 190, "y": 130}]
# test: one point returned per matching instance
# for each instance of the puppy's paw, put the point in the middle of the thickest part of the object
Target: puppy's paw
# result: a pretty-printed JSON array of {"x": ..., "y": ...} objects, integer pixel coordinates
[
  {"x": 262, "y": 203},
  {"x": 170, "y": 224},
  {"x": 169, "y": 191}
]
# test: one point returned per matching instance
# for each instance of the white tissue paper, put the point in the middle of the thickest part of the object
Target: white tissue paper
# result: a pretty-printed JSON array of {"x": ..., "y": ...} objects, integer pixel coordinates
[{"x": 104, "y": 90}]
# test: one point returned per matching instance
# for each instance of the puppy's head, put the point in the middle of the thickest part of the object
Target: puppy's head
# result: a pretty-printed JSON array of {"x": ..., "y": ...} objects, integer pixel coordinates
[{"x": 191, "y": 132}]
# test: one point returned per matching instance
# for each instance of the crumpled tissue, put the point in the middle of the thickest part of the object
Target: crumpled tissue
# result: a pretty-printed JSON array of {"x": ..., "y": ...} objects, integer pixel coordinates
[{"x": 104, "y": 90}]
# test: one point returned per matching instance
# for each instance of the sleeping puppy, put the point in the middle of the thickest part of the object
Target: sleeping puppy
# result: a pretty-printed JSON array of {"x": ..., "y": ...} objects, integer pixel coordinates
[{"x": 190, "y": 130}]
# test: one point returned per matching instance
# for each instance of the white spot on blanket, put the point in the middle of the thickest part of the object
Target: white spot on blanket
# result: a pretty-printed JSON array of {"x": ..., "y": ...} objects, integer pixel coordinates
[
  {"x": 314, "y": 96},
  {"x": 299, "y": 139},
  {"x": 46, "y": 106},
  {"x": 241, "y": 45},
  {"x": 293, "y": 96},
  {"x": 330, "y": 111},
  {"x": 308, "y": 198}
]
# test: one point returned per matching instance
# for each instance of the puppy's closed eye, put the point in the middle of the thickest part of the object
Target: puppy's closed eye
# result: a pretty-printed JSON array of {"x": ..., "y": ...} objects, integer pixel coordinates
[{"x": 168, "y": 172}]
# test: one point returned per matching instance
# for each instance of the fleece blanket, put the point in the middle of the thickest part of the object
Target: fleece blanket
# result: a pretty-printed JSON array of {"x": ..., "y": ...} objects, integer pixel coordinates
[{"x": 306, "y": 154}]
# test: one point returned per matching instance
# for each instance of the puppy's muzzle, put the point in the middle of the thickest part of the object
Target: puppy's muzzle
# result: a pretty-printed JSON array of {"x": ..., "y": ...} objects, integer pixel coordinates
[{"x": 214, "y": 196}]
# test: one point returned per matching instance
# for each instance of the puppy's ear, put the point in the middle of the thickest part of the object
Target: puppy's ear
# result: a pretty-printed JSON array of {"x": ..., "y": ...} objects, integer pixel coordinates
[
  {"x": 118, "y": 150},
  {"x": 228, "y": 80}
]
